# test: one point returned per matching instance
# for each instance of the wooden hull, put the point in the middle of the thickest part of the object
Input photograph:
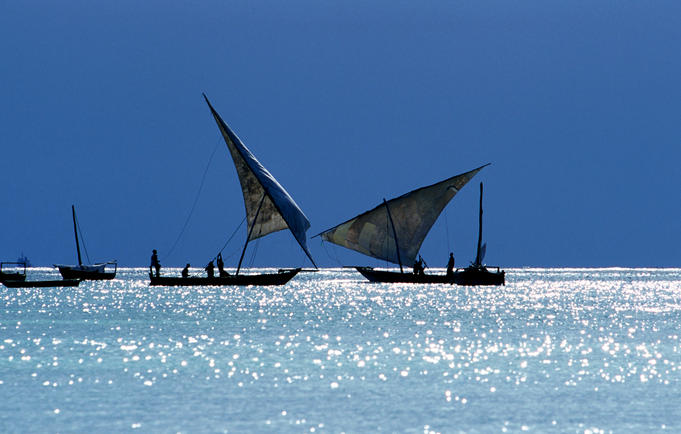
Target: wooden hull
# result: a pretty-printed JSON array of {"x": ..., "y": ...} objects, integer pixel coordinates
[
  {"x": 473, "y": 276},
  {"x": 269, "y": 279},
  {"x": 40, "y": 283},
  {"x": 381, "y": 276},
  {"x": 12, "y": 276},
  {"x": 70, "y": 273},
  {"x": 106, "y": 271},
  {"x": 466, "y": 276}
]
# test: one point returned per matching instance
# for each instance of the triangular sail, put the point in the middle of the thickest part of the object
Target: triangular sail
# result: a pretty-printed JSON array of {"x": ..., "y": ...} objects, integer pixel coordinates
[
  {"x": 278, "y": 210},
  {"x": 413, "y": 214}
]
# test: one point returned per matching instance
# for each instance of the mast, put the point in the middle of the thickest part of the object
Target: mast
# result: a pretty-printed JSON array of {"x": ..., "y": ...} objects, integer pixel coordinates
[
  {"x": 478, "y": 260},
  {"x": 397, "y": 246},
  {"x": 250, "y": 231},
  {"x": 75, "y": 231}
]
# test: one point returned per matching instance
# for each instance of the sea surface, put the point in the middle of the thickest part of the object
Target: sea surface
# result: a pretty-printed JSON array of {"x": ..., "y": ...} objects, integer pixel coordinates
[{"x": 555, "y": 350}]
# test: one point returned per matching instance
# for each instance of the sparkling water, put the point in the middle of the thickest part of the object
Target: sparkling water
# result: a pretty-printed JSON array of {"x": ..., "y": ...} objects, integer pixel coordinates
[{"x": 577, "y": 350}]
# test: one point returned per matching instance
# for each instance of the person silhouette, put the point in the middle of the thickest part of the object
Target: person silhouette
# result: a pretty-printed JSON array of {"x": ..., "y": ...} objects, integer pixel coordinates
[
  {"x": 418, "y": 267},
  {"x": 450, "y": 264},
  {"x": 210, "y": 269},
  {"x": 155, "y": 264},
  {"x": 185, "y": 271},
  {"x": 221, "y": 266}
]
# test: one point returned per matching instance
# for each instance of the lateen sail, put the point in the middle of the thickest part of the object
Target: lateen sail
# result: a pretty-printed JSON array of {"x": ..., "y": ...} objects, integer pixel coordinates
[
  {"x": 277, "y": 209},
  {"x": 413, "y": 214}
]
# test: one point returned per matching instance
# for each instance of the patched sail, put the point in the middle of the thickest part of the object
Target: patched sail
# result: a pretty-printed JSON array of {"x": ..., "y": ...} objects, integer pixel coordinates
[
  {"x": 412, "y": 214},
  {"x": 269, "y": 207}
]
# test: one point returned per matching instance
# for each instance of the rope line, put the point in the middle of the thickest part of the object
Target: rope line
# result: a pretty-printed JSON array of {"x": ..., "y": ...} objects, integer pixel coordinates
[
  {"x": 82, "y": 239},
  {"x": 387, "y": 231},
  {"x": 196, "y": 200},
  {"x": 255, "y": 251},
  {"x": 447, "y": 228},
  {"x": 230, "y": 238},
  {"x": 333, "y": 258}
]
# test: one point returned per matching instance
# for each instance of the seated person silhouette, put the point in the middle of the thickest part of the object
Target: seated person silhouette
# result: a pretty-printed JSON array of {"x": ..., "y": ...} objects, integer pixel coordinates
[
  {"x": 210, "y": 269},
  {"x": 185, "y": 271}
]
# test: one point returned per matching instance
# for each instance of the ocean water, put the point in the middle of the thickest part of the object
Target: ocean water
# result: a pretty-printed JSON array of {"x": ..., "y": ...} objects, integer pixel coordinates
[{"x": 555, "y": 350}]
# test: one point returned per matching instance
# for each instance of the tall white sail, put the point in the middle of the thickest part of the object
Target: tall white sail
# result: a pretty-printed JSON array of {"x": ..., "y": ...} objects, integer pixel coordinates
[
  {"x": 412, "y": 214},
  {"x": 269, "y": 207}
]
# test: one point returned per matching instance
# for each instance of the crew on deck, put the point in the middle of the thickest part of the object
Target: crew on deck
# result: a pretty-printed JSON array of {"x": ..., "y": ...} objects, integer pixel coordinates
[
  {"x": 450, "y": 264},
  {"x": 155, "y": 265},
  {"x": 221, "y": 266},
  {"x": 418, "y": 267},
  {"x": 185, "y": 271},
  {"x": 210, "y": 269}
]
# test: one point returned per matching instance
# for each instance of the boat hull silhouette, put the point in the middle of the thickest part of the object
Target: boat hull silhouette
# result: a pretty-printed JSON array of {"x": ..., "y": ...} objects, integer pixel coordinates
[
  {"x": 266, "y": 279},
  {"x": 464, "y": 276},
  {"x": 11, "y": 276},
  {"x": 40, "y": 283},
  {"x": 86, "y": 272}
]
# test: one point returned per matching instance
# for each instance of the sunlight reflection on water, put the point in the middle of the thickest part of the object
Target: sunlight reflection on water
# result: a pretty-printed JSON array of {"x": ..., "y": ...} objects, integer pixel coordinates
[{"x": 554, "y": 349}]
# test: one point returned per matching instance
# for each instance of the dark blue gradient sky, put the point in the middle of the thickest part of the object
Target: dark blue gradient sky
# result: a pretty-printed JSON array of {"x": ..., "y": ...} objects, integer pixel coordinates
[{"x": 577, "y": 105}]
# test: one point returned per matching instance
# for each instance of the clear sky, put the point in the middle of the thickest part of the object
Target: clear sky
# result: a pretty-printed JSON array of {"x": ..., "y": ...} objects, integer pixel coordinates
[{"x": 577, "y": 105}]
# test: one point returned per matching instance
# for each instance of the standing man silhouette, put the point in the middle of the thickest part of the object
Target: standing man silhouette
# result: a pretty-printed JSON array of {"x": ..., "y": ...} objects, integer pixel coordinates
[
  {"x": 155, "y": 264},
  {"x": 450, "y": 264}
]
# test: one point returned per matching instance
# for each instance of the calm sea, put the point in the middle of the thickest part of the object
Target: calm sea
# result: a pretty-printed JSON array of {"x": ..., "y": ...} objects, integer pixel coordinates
[{"x": 555, "y": 350}]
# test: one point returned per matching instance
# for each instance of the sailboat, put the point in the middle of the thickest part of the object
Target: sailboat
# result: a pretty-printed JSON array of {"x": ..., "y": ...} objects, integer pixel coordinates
[
  {"x": 16, "y": 278},
  {"x": 269, "y": 208},
  {"x": 394, "y": 230},
  {"x": 15, "y": 272},
  {"x": 99, "y": 271},
  {"x": 477, "y": 273}
]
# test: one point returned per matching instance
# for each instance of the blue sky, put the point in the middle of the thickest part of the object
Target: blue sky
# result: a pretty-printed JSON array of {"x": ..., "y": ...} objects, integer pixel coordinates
[{"x": 577, "y": 105}]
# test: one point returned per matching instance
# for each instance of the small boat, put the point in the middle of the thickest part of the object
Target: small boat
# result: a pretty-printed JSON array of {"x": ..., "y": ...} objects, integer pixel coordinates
[
  {"x": 100, "y": 271},
  {"x": 17, "y": 279},
  {"x": 394, "y": 231},
  {"x": 14, "y": 272},
  {"x": 478, "y": 273},
  {"x": 269, "y": 208}
]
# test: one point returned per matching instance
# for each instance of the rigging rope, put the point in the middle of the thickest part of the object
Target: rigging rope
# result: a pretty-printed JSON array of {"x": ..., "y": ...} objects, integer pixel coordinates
[
  {"x": 447, "y": 228},
  {"x": 82, "y": 239},
  {"x": 230, "y": 238},
  {"x": 231, "y": 255},
  {"x": 196, "y": 199},
  {"x": 387, "y": 231},
  {"x": 255, "y": 250},
  {"x": 335, "y": 257}
]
